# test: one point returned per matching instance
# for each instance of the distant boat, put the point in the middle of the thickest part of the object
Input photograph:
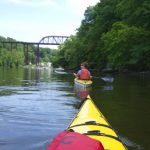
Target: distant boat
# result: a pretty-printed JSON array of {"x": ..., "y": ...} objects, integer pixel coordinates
[{"x": 60, "y": 71}]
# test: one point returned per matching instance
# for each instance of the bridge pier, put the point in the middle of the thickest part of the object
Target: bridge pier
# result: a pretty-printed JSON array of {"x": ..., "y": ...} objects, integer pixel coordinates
[
  {"x": 38, "y": 55},
  {"x": 13, "y": 46},
  {"x": 26, "y": 60},
  {"x": 48, "y": 40}
]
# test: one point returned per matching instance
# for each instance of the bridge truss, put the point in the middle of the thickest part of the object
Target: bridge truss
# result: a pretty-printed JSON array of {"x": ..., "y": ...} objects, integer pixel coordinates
[
  {"x": 53, "y": 40},
  {"x": 47, "y": 40}
]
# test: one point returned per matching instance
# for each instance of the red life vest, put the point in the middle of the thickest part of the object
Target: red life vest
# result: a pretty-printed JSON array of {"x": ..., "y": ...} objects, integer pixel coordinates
[
  {"x": 84, "y": 74},
  {"x": 74, "y": 141}
]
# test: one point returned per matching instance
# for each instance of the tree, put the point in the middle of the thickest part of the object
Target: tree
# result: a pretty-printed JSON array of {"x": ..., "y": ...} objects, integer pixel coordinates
[{"x": 124, "y": 45}]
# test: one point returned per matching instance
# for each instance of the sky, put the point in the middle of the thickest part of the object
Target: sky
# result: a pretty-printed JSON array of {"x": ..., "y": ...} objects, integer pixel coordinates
[{"x": 30, "y": 20}]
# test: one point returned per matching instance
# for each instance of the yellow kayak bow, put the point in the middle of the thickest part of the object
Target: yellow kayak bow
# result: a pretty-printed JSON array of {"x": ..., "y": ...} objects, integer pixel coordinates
[{"x": 91, "y": 122}]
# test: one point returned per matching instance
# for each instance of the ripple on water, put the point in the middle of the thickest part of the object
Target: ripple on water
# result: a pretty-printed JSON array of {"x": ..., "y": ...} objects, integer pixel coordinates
[
  {"x": 130, "y": 143},
  {"x": 32, "y": 115}
]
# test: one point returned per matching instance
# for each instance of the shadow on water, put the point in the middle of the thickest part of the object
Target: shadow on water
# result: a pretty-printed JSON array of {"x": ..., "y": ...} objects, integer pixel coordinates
[{"x": 125, "y": 103}]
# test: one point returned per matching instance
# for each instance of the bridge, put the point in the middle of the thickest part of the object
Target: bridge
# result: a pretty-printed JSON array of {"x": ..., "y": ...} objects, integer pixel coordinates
[{"x": 47, "y": 40}]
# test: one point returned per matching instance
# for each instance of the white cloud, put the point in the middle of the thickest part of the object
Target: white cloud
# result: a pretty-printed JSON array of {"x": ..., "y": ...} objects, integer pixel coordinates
[
  {"x": 76, "y": 6},
  {"x": 34, "y": 3},
  {"x": 63, "y": 22},
  {"x": 79, "y": 6},
  {"x": 25, "y": 31}
]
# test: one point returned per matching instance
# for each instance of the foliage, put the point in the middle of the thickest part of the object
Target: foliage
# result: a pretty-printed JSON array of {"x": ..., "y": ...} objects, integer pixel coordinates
[
  {"x": 114, "y": 33},
  {"x": 12, "y": 55},
  {"x": 124, "y": 45}
]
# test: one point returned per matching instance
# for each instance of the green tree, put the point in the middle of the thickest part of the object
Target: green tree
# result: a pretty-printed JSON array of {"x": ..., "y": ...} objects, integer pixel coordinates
[{"x": 124, "y": 45}]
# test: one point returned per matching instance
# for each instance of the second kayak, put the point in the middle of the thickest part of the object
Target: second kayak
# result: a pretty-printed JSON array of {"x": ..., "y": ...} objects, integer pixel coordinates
[{"x": 82, "y": 83}]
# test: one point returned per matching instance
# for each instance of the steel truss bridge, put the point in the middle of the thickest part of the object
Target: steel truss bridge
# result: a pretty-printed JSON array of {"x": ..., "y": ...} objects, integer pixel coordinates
[{"x": 47, "y": 40}]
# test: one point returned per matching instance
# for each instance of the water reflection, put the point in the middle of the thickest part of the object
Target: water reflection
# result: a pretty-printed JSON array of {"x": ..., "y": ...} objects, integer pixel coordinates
[
  {"x": 108, "y": 78},
  {"x": 6, "y": 92},
  {"x": 31, "y": 100},
  {"x": 37, "y": 74},
  {"x": 107, "y": 87},
  {"x": 82, "y": 92},
  {"x": 130, "y": 143},
  {"x": 36, "y": 104}
]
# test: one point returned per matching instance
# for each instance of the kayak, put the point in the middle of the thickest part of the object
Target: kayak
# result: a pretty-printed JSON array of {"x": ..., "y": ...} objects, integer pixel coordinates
[
  {"x": 82, "y": 83},
  {"x": 89, "y": 130},
  {"x": 91, "y": 122}
]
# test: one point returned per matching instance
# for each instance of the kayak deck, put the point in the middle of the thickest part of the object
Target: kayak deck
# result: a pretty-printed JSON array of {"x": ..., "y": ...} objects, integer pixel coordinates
[
  {"x": 91, "y": 122},
  {"x": 84, "y": 83}
]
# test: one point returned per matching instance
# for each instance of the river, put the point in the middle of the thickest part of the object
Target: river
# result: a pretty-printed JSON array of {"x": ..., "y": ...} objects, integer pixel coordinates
[{"x": 36, "y": 104}]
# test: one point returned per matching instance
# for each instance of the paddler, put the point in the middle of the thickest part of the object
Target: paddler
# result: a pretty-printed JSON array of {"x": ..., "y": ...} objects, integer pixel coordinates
[{"x": 83, "y": 73}]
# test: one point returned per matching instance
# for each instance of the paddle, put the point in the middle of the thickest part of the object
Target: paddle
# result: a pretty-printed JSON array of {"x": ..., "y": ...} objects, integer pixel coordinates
[{"x": 106, "y": 79}]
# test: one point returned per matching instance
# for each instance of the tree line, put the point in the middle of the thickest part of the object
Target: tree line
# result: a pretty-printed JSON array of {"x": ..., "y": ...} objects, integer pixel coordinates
[
  {"x": 14, "y": 56},
  {"x": 114, "y": 34}
]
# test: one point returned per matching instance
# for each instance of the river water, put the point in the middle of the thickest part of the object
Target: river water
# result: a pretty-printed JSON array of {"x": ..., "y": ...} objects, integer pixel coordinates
[{"x": 36, "y": 104}]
